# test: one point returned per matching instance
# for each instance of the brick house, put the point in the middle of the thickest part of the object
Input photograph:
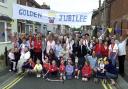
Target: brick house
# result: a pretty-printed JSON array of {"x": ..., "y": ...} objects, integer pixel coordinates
[{"x": 116, "y": 14}]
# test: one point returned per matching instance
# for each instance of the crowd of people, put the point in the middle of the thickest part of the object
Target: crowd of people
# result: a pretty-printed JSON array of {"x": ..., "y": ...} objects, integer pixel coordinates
[{"x": 68, "y": 56}]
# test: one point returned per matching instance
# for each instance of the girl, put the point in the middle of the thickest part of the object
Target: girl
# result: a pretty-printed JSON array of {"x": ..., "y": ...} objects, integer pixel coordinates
[
  {"x": 62, "y": 70},
  {"x": 53, "y": 69},
  {"x": 38, "y": 68},
  {"x": 29, "y": 65},
  {"x": 76, "y": 71},
  {"x": 17, "y": 56},
  {"x": 86, "y": 71},
  {"x": 46, "y": 65},
  {"x": 69, "y": 70},
  {"x": 12, "y": 60}
]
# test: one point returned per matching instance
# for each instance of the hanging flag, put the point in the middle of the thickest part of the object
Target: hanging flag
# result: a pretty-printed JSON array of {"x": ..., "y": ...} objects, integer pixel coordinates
[
  {"x": 109, "y": 30},
  {"x": 118, "y": 31}
]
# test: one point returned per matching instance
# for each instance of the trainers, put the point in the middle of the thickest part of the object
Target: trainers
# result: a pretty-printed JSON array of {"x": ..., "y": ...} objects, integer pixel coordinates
[
  {"x": 85, "y": 79},
  {"x": 10, "y": 70},
  {"x": 38, "y": 75}
]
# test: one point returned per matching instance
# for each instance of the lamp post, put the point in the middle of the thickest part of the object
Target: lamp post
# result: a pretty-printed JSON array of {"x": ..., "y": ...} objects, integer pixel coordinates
[{"x": 99, "y": 12}]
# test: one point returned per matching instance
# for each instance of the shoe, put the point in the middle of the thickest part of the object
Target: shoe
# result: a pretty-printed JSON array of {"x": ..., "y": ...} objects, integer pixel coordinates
[
  {"x": 38, "y": 75},
  {"x": 85, "y": 79},
  {"x": 77, "y": 77},
  {"x": 64, "y": 77},
  {"x": 10, "y": 70}
]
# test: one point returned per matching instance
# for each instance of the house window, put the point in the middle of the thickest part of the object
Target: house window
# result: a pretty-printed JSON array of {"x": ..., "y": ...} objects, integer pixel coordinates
[
  {"x": 5, "y": 31},
  {"x": 29, "y": 28},
  {"x": 3, "y": 1}
]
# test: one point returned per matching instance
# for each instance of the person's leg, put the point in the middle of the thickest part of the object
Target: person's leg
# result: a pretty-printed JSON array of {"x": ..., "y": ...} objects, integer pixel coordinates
[
  {"x": 14, "y": 65},
  {"x": 39, "y": 56},
  {"x": 122, "y": 64},
  {"x": 35, "y": 56},
  {"x": 121, "y": 60}
]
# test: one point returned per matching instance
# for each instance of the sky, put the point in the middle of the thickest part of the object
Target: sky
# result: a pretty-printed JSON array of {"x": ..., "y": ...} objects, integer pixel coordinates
[{"x": 71, "y": 5}]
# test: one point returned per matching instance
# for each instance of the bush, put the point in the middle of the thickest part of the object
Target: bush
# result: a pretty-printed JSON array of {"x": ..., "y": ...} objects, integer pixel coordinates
[{"x": 2, "y": 57}]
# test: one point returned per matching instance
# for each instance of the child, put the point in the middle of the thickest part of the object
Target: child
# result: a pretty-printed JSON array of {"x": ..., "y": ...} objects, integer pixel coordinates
[
  {"x": 69, "y": 70},
  {"x": 53, "y": 69},
  {"x": 46, "y": 65},
  {"x": 101, "y": 66},
  {"x": 12, "y": 60},
  {"x": 62, "y": 70},
  {"x": 17, "y": 56},
  {"x": 100, "y": 72},
  {"x": 29, "y": 65},
  {"x": 76, "y": 71},
  {"x": 38, "y": 68},
  {"x": 86, "y": 71}
]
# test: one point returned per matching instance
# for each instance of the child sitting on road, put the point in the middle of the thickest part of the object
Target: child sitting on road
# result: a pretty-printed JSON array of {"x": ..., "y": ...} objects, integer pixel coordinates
[
  {"x": 86, "y": 71},
  {"x": 69, "y": 70},
  {"x": 38, "y": 68},
  {"x": 100, "y": 70},
  {"x": 76, "y": 71},
  {"x": 29, "y": 65},
  {"x": 46, "y": 66},
  {"x": 62, "y": 70},
  {"x": 53, "y": 70}
]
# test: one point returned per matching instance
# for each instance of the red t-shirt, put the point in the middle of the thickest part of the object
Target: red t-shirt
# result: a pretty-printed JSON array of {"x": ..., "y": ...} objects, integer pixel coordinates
[
  {"x": 37, "y": 46},
  {"x": 53, "y": 68},
  {"x": 46, "y": 66},
  {"x": 99, "y": 48},
  {"x": 62, "y": 68},
  {"x": 105, "y": 53},
  {"x": 86, "y": 70}
]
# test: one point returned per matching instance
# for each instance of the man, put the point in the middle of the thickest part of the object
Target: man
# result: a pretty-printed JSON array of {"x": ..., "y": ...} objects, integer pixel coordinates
[
  {"x": 81, "y": 53},
  {"x": 122, "y": 53}
]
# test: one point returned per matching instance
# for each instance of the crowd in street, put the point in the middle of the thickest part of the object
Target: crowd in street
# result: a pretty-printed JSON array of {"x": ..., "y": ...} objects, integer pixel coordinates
[{"x": 69, "y": 56}]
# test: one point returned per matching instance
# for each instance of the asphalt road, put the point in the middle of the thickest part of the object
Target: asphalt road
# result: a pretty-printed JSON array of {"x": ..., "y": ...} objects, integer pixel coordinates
[{"x": 31, "y": 82}]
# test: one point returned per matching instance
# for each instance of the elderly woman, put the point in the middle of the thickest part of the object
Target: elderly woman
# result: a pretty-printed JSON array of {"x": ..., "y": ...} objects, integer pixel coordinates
[{"x": 23, "y": 58}]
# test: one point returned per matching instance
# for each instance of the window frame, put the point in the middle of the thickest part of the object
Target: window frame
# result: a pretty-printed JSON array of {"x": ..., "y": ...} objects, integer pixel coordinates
[
  {"x": 5, "y": 32},
  {"x": 4, "y": 1}
]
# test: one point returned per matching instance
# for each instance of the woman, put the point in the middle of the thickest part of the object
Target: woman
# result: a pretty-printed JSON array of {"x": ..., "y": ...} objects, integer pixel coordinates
[
  {"x": 122, "y": 54},
  {"x": 37, "y": 49},
  {"x": 30, "y": 43},
  {"x": 50, "y": 43},
  {"x": 111, "y": 72},
  {"x": 58, "y": 49},
  {"x": 105, "y": 53},
  {"x": 52, "y": 56},
  {"x": 99, "y": 49},
  {"x": 113, "y": 51}
]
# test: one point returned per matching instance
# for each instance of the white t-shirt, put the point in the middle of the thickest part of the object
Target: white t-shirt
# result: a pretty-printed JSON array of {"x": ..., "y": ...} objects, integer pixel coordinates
[
  {"x": 11, "y": 56},
  {"x": 122, "y": 48},
  {"x": 50, "y": 45},
  {"x": 114, "y": 49}
]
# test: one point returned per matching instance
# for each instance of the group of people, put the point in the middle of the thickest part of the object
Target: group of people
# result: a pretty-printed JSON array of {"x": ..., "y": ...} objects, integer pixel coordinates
[{"x": 68, "y": 56}]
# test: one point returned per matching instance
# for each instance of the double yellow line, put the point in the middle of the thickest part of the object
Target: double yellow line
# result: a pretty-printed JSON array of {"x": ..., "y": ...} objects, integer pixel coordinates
[
  {"x": 16, "y": 80},
  {"x": 106, "y": 86}
]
